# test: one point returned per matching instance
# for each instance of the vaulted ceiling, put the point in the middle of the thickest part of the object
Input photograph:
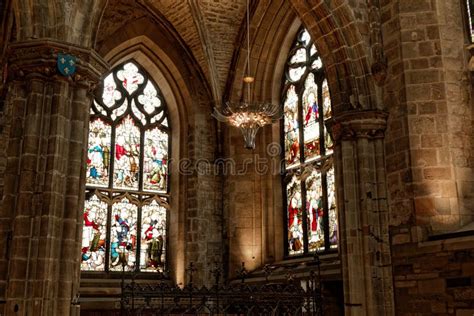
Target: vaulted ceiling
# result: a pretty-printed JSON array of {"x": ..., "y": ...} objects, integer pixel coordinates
[{"x": 207, "y": 28}]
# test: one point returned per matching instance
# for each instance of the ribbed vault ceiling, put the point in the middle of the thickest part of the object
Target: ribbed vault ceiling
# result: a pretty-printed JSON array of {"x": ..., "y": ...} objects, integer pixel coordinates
[{"x": 209, "y": 29}]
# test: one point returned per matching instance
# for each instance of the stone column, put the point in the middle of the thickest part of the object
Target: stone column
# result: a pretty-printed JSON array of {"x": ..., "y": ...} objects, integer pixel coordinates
[
  {"x": 363, "y": 212},
  {"x": 41, "y": 209}
]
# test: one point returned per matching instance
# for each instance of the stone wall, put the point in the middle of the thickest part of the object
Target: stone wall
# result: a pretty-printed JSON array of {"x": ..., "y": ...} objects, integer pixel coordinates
[
  {"x": 428, "y": 146},
  {"x": 434, "y": 277},
  {"x": 430, "y": 125}
]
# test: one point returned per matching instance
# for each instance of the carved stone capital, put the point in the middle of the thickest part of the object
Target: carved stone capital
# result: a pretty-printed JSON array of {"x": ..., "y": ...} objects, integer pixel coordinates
[
  {"x": 357, "y": 124},
  {"x": 38, "y": 58}
]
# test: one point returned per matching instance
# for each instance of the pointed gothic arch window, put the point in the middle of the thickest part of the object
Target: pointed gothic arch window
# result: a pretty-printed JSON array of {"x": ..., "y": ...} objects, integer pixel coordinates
[
  {"x": 126, "y": 204},
  {"x": 308, "y": 179}
]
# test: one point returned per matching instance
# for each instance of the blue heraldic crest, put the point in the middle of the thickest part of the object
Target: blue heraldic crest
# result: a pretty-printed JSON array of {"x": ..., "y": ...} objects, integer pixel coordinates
[{"x": 66, "y": 64}]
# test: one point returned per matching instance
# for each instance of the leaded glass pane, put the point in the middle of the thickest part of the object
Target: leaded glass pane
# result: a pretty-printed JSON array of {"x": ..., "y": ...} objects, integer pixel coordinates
[
  {"x": 299, "y": 56},
  {"x": 296, "y": 73},
  {"x": 130, "y": 77},
  {"x": 317, "y": 64},
  {"x": 137, "y": 113},
  {"x": 153, "y": 237},
  {"x": 99, "y": 108},
  {"x": 98, "y": 153},
  {"x": 333, "y": 226},
  {"x": 94, "y": 232},
  {"x": 149, "y": 98},
  {"x": 155, "y": 162},
  {"x": 118, "y": 112},
  {"x": 123, "y": 235},
  {"x": 127, "y": 153},
  {"x": 311, "y": 119},
  {"x": 295, "y": 217},
  {"x": 110, "y": 93},
  {"x": 305, "y": 38},
  {"x": 315, "y": 211},
  {"x": 328, "y": 143},
  {"x": 292, "y": 146},
  {"x": 326, "y": 100}
]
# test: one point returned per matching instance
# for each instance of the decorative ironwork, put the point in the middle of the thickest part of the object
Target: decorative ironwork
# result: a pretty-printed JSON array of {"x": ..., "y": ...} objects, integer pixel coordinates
[
  {"x": 242, "y": 272},
  {"x": 302, "y": 296}
]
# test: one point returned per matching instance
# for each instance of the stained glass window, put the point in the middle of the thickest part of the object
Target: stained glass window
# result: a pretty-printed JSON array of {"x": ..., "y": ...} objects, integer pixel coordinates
[
  {"x": 309, "y": 187},
  {"x": 126, "y": 207}
]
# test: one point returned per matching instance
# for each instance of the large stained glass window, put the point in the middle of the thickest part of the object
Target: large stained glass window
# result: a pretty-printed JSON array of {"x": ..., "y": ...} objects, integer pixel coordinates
[
  {"x": 311, "y": 214},
  {"x": 126, "y": 207}
]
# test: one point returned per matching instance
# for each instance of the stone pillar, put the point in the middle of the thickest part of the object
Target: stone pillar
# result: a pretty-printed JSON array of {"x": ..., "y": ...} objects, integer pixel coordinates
[
  {"x": 43, "y": 196},
  {"x": 363, "y": 212}
]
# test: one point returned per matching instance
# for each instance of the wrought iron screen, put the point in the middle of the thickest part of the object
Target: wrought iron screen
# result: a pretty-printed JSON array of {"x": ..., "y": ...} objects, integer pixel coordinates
[{"x": 302, "y": 296}]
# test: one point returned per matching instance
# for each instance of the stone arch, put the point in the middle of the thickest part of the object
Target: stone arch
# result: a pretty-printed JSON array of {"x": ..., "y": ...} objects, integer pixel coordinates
[
  {"x": 189, "y": 103},
  {"x": 334, "y": 28},
  {"x": 147, "y": 55},
  {"x": 272, "y": 31},
  {"x": 337, "y": 37},
  {"x": 72, "y": 22}
]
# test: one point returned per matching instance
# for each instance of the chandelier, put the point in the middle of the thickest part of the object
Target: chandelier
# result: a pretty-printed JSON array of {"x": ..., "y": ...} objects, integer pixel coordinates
[{"x": 246, "y": 115}]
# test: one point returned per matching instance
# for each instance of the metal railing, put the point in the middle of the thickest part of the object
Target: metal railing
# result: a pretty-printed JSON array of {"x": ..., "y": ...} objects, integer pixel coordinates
[{"x": 293, "y": 296}]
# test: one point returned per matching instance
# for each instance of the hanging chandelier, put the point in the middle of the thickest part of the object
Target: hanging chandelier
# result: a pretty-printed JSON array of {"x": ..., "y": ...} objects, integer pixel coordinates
[{"x": 246, "y": 115}]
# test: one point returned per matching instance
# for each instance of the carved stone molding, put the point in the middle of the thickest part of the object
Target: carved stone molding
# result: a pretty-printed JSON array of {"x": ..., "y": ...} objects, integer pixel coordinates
[
  {"x": 358, "y": 124},
  {"x": 39, "y": 58}
]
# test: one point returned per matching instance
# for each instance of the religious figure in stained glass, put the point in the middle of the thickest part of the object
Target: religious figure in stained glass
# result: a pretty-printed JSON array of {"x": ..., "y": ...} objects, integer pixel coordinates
[
  {"x": 127, "y": 154},
  {"x": 123, "y": 237},
  {"x": 292, "y": 147},
  {"x": 98, "y": 153},
  {"x": 94, "y": 234},
  {"x": 295, "y": 221},
  {"x": 310, "y": 190},
  {"x": 127, "y": 175},
  {"x": 156, "y": 160},
  {"x": 153, "y": 237},
  {"x": 314, "y": 203},
  {"x": 333, "y": 237}
]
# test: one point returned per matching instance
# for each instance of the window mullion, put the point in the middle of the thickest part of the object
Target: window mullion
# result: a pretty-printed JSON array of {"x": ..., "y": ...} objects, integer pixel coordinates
[
  {"x": 322, "y": 140},
  {"x": 107, "y": 238},
  {"x": 325, "y": 209},
  {"x": 141, "y": 159},
  {"x": 305, "y": 216},
  {"x": 112, "y": 157},
  {"x": 139, "y": 234},
  {"x": 299, "y": 92}
]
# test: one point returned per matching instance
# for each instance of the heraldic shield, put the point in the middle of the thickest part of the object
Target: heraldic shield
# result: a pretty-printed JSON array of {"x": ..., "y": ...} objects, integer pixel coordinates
[{"x": 66, "y": 64}]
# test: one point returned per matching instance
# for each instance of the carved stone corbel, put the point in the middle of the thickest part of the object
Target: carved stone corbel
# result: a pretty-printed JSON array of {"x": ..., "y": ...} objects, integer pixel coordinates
[
  {"x": 357, "y": 124},
  {"x": 38, "y": 58}
]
